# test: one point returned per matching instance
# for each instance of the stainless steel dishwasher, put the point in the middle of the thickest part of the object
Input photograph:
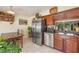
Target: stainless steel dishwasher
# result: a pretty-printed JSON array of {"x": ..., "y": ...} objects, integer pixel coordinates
[{"x": 48, "y": 39}]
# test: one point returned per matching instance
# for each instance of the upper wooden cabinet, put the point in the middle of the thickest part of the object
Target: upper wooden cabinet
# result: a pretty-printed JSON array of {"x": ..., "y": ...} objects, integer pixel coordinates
[
  {"x": 73, "y": 13},
  {"x": 68, "y": 14},
  {"x": 59, "y": 16},
  {"x": 49, "y": 19},
  {"x": 53, "y": 10}
]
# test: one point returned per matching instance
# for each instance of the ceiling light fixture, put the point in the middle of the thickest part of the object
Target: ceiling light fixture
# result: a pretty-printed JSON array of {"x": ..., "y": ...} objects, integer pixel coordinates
[{"x": 11, "y": 10}]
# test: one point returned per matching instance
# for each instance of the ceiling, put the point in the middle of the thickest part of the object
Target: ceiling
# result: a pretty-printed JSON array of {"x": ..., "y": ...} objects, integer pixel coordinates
[{"x": 25, "y": 10}]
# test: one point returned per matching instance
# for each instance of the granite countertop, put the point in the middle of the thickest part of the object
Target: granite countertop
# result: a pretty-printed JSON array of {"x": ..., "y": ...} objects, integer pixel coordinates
[
  {"x": 10, "y": 35},
  {"x": 71, "y": 33}
]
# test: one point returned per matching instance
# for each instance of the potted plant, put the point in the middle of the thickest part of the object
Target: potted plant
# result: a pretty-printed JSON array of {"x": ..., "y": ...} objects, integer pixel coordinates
[
  {"x": 37, "y": 15},
  {"x": 29, "y": 31},
  {"x": 9, "y": 46}
]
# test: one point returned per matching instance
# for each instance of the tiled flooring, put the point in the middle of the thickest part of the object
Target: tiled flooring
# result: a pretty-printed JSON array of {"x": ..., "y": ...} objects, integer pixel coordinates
[{"x": 30, "y": 47}]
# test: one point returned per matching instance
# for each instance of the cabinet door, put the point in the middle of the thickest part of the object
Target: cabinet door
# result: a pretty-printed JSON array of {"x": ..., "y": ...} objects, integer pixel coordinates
[
  {"x": 58, "y": 43},
  {"x": 73, "y": 13},
  {"x": 71, "y": 45},
  {"x": 53, "y": 10},
  {"x": 49, "y": 20},
  {"x": 59, "y": 16},
  {"x": 78, "y": 43}
]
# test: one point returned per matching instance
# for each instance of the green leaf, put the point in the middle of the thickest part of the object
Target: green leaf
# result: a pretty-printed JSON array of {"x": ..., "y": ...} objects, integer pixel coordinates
[{"x": 9, "y": 47}]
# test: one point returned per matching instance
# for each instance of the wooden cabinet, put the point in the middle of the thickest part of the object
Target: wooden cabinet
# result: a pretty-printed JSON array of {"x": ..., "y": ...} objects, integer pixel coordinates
[
  {"x": 49, "y": 19},
  {"x": 59, "y": 16},
  {"x": 73, "y": 13},
  {"x": 71, "y": 45},
  {"x": 58, "y": 43},
  {"x": 78, "y": 42},
  {"x": 53, "y": 10},
  {"x": 67, "y": 43},
  {"x": 66, "y": 15}
]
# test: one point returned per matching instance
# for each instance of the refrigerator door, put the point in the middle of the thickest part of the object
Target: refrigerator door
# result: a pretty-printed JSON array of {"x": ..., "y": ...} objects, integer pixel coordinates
[
  {"x": 34, "y": 31},
  {"x": 34, "y": 26},
  {"x": 39, "y": 32},
  {"x": 38, "y": 39},
  {"x": 38, "y": 26}
]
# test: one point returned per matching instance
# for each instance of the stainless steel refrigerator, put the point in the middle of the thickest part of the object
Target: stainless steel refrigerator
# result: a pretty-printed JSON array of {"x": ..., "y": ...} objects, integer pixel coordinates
[{"x": 38, "y": 27}]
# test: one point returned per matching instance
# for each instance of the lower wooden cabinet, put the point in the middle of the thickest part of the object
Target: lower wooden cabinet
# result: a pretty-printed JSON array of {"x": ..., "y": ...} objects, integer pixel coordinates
[
  {"x": 58, "y": 43},
  {"x": 71, "y": 45},
  {"x": 68, "y": 44}
]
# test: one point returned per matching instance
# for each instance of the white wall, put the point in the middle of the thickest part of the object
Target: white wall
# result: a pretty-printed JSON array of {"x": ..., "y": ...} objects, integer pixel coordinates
[
  {"x": 24, "y": 27},
  {"x": 45, "y": 12},
  {"x": 6, "y": 27},
  {"x": 62, "y": 8}
]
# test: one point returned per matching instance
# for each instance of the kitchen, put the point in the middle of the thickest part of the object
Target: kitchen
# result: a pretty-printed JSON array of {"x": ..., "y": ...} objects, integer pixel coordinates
[{"x": 55, "y": 29}]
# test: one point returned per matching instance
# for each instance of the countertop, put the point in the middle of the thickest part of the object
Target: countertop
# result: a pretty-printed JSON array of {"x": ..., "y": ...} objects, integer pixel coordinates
[
  {"x": 68, "y": 33},
  {"x": 10, "y": 35},
  {"x": 64, "y": 33}
]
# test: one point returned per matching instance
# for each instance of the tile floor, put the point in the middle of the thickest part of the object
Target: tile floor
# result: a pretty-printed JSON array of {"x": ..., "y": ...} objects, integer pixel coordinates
[{"x": 30, "y": 47}]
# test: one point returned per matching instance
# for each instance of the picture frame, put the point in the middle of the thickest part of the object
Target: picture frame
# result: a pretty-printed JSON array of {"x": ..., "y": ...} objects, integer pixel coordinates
[{"x": 22, "y": 22}]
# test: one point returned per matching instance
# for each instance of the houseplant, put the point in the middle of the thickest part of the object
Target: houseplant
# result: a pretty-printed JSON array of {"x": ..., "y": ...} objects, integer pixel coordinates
[
  {"x": 9, "y": 46},
  {"x": 29, "y": 31},
  {"x": 37, "y": 15}
]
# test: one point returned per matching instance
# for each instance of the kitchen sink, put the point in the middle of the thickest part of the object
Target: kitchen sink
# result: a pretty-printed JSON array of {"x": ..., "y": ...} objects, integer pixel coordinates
[{"x": 70, "y": 34}]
